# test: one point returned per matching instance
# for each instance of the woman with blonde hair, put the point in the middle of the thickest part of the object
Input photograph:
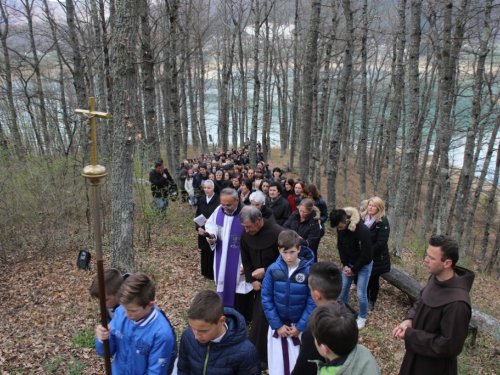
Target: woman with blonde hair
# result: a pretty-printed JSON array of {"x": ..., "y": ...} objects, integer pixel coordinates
[
  {"x": 363, "y": 206},
  {"x": 304, "y": 221},
  {"x": 376, "y": 220}
]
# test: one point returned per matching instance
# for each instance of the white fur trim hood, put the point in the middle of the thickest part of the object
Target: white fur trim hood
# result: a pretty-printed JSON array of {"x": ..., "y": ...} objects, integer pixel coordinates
[{"x": 355, "y": 218}]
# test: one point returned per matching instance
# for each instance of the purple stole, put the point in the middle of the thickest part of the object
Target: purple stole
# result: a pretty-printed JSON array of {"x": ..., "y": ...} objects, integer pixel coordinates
[
  {"x": 232, "y": 260},
  {"x": 284, "y": 348}
]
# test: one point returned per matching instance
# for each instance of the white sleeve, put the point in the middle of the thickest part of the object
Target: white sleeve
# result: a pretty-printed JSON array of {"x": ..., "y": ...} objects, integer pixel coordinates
[{"x": 211, "y": 226}]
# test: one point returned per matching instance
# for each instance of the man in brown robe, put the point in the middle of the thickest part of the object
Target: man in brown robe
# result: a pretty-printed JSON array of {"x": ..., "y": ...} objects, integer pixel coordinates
[
  {"x": 259, "y": 249},
  {"x": 435, "y": 329}
]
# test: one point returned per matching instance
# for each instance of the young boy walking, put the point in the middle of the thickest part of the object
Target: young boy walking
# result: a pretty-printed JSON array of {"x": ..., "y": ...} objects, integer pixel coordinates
[
  {"x": 336, "y": 337},
  {"x": 141, "y": 338},
  {"x": 216, "y": 342},
  {"x": 325, "y": 283},
  {"x": 287, "y": 302},
  {"x": 113, "y": 280}
]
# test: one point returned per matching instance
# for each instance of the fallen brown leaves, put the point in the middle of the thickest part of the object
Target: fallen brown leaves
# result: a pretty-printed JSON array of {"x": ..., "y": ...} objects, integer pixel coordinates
[{"x": 45, "y": 304}]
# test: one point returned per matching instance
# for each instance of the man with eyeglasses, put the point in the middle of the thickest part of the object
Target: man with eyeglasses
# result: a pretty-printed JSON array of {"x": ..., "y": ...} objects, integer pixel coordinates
[{"x": 224, "y": 230}]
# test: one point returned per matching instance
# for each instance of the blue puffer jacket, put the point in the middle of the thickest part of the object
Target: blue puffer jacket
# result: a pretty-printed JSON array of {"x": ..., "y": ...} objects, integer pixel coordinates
[
  {"x": 233, "y": 355},
  {"x": 288, "y": 298}
]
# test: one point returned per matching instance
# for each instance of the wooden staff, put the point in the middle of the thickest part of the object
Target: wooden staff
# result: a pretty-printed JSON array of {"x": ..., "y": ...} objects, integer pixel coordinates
[{"x": 94, "y": 173}]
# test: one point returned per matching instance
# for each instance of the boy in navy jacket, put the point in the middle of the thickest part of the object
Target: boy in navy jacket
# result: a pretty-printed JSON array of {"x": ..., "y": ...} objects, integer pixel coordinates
[{"x": 216, "y": 342}]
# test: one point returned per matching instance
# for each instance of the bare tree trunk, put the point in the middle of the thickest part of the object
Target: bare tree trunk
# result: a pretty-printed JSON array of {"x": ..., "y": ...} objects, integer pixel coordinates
[
  {"x": 281, "y": 81},
  {"x": 427, "y": 215},
  {"x": 126, "y": 104},
  {"x": 67, "y": 140},
  {"x": 256, "y": 84},
  {"x": 347, "y": 134},
  {"x": 490, "y": 213},
  {"x": 241, "y": 24},
  {"x": 192, "y": 107},
  {"x": 314, "y": 159},
  {"x": 266, "y": 99},
  {"x": 40, "y": 95},
  {"x": 234, "y": 113},
  {"x": 340, "y": 108},
  {"x": 396, "y": 103},
  {"x": 7, "y": 76},
  {"x": 494, "y": 255},
  {"x": 78, "y": 68},
  {"x": 364, "y": 107},
  {"x": 449, "y": 48},
  {"x": 296, "y": 87},
  {"x": 379, "y": 150},
  {"x": 148, "y": 85},
  {"x": 105, "y": 49},
  {"x": 226, "y": 71},
  {"x": 308, "y": 84},
  {"x": 98, "y": 58},
  {"x": 409, "y": 161},
  {"x": 3, "y": 140},
  {"x": 427, "y": 95},
  {"x": 479, "y": 188},
  {"x": 201, "y": 93},
  {"x": 184, "y": 115},
  {"x": 468, "y": 168},
  {"x": 173, "y": 76},
  {"x": 325, "y": 97}
]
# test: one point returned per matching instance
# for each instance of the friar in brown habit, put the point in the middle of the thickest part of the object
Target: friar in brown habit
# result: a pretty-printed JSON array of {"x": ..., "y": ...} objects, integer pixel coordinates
[
  {"x": 259, "y": 249},
  {"x": 435, "y": 329}
]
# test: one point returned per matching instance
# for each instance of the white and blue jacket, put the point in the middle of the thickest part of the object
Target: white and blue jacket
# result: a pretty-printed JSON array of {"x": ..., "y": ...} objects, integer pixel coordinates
[{"x": 148, "y": 347}]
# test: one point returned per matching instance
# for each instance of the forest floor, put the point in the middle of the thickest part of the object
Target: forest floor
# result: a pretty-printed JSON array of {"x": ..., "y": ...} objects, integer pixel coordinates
[{"x": 49, "y": 317}]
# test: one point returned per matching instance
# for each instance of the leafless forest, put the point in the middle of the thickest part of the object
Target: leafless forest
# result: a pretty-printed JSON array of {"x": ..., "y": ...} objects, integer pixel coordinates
[{"x": 405, "y": 92}]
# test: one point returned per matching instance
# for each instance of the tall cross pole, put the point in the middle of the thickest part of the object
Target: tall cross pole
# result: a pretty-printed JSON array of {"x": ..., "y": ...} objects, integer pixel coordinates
[{"x": 94, "y": 173}]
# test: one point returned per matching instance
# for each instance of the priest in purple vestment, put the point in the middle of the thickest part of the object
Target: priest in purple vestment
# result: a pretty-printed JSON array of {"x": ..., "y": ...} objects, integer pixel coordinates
[{"x": 225, "y": 227}]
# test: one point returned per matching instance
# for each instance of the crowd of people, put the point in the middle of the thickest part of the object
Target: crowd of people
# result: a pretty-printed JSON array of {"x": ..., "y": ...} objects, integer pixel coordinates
[{"x": 258, "y": 236}]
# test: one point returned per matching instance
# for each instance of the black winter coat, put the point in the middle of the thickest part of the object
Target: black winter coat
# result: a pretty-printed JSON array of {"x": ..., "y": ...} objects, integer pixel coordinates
[
  {"x": 380, "y": 231},
  {"x": 309, "y": 230},
  {"x": 355, "y": 247},
  {"x": 281, "y": 209},
  {"x": 198, "y": 185},
  {"x": 160, "y": 185}
]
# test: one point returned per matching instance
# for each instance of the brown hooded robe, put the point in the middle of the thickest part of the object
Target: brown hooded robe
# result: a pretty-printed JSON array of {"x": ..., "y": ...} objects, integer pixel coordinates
[{"x": 440, "y": 325}]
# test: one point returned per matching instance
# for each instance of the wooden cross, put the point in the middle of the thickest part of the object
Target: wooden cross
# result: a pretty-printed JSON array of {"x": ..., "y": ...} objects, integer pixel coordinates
[{"x": 92, "y": 114}]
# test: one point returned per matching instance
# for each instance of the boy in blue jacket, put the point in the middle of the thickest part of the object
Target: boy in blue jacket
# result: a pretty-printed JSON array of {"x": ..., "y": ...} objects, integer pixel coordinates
[
  {"x": 287, "y": 302},
  {"x": 216, "y": 343},
  {"x": 140, "y": 336}
]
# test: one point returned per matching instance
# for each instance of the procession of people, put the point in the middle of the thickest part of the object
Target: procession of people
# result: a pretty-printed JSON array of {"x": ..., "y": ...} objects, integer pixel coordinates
[{"x": 258, "y": 238}]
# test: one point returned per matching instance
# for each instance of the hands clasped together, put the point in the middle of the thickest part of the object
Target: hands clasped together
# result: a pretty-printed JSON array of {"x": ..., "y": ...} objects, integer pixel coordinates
[{"x": 287, "y": 331}]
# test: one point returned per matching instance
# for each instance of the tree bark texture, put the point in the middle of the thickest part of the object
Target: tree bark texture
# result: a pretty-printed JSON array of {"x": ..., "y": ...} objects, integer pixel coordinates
[
  {"x": 308, "y": 83},
  {"x": 126, "y": 125}
]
